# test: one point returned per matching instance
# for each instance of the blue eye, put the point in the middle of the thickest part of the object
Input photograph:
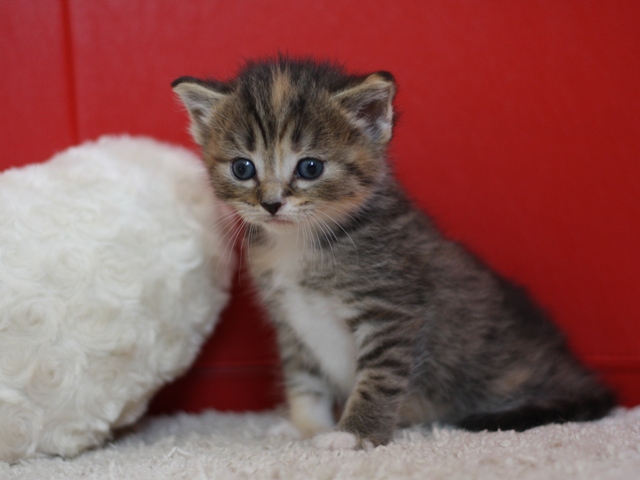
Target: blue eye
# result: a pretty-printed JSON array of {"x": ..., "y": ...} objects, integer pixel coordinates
[
  {"x": 243, "y": 169},
  {"x": 309, "y": 168}
]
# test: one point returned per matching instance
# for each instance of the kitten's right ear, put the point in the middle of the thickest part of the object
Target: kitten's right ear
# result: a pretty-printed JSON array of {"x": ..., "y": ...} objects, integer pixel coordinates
[{"x": 200, "y": 98}]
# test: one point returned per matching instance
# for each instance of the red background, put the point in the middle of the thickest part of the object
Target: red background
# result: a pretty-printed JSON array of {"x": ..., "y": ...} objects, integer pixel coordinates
[{"x": 520, "y": 132}]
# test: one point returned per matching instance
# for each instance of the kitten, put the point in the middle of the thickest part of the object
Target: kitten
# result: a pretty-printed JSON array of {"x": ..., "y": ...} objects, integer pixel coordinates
[{"x": 373, "y": 307}]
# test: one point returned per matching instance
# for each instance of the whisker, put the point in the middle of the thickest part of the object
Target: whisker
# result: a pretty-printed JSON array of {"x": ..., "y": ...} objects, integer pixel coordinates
[
  {"x": 341, "y": 227},
  {"x": 309, "y": 241},
  {"x": 340, "y": 211},
  {"x": 229, "y": 237},
  {"x": 316, "y": 242},
  {"x": 242, "y": 251},
  {"x": 227, "y": 229},
  {"x": 328, "y": 227},
  {"x": 222, "y": 219},
  {"x": 238, "y": 232},
  {"x": 324, "y": 227}
]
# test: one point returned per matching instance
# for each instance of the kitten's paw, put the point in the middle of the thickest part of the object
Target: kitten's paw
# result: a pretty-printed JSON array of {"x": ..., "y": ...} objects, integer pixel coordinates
[
  {"x": 285, "y": 429},
  {"x": 335, "y": 441}
]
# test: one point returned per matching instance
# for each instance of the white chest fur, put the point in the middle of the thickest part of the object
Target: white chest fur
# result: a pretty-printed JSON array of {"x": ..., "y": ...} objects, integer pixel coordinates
[{"x": 317, "y": 319}]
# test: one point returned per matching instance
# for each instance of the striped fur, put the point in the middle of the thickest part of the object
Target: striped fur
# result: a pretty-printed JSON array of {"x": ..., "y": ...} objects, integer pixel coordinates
[{"x": 375, "y": 309}]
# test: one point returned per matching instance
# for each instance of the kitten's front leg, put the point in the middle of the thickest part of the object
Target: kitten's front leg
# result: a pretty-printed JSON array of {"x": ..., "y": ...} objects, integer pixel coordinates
[
  {"x": 309, "y": 396},
  {"x": 385, "y": 352},
  {"x": 310, "y": 404}
]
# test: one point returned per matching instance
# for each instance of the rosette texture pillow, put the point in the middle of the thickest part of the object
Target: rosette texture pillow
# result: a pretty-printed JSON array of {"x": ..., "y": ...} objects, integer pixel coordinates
[{"x": 113, "y": 270}]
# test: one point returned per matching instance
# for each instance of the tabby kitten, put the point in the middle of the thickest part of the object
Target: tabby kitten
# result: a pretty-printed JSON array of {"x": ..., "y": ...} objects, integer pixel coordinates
[{"x": 373, "y": 307}]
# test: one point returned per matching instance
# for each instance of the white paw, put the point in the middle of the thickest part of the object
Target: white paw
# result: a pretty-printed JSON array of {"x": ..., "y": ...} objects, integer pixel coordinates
[
  {"x": 284, "y": 429},
  {"x": 335, "y": 441}
]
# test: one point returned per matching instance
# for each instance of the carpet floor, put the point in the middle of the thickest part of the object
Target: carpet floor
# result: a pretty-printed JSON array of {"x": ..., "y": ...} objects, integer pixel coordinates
[{"x": 215, "y": 445}]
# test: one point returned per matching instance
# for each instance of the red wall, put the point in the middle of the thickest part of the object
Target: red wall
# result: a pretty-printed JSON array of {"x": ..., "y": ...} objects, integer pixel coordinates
[{"x": 520, "y": 132}]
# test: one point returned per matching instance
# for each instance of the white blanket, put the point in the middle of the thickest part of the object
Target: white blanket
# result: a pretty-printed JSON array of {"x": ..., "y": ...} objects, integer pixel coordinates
[{"x": 216, "y": 445}]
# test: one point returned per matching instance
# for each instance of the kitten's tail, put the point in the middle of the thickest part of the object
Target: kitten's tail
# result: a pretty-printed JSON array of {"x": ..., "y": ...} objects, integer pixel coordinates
[{"x": 535, "y": 414}]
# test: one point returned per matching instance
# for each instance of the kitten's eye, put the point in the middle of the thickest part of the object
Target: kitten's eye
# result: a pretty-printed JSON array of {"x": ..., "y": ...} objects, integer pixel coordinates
[
  {"x": 309, "y": 168},
  {"x": 243, "y": 169}
]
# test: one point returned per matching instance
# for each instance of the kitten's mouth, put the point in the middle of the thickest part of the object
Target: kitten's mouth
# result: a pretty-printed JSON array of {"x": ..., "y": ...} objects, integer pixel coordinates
[{"x": 279, "y": 221}]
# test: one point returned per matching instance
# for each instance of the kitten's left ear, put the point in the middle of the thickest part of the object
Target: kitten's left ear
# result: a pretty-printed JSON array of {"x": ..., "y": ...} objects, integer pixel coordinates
[
  {"x": 200, "y": 98},
  {"x": 369, "y": 104}
]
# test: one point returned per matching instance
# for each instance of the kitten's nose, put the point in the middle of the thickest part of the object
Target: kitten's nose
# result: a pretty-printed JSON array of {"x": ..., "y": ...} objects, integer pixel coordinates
[{"x": 272, "y": 208}]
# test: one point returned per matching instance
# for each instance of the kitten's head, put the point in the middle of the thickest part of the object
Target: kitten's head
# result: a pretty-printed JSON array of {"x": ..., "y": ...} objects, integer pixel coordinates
[{"x": 291, "y": 141}]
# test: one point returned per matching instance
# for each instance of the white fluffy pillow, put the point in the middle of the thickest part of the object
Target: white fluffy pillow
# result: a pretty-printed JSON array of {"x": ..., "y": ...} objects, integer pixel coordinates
[{"x": 112, "y": 273}]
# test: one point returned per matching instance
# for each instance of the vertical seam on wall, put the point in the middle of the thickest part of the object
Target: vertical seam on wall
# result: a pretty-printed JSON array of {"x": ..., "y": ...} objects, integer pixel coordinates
[{"x": 71, "y": 70}]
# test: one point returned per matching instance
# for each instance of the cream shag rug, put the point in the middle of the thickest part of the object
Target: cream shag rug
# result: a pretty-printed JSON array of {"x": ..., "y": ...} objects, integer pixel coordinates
[{"x": 216, "y": 445}]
